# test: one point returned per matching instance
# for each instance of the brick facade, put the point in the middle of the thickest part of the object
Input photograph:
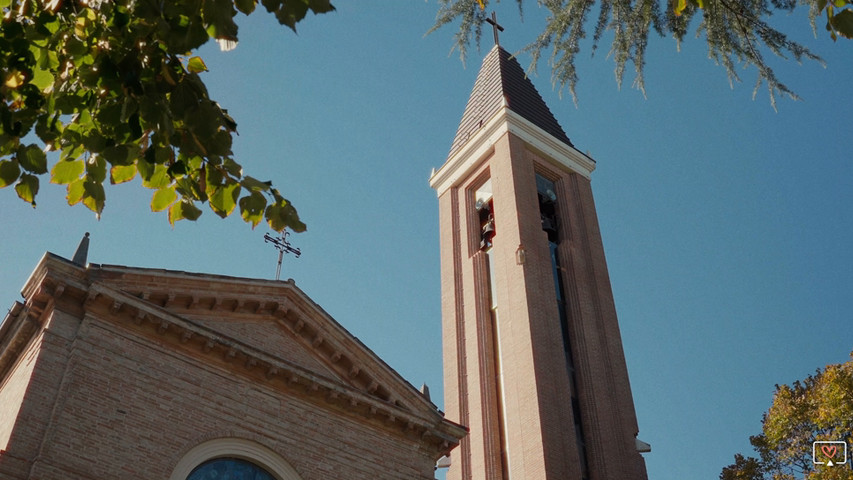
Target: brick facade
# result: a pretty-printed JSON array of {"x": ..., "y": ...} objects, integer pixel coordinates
[
  {"x": 545, "y": 395},
  {"x": 127, "y": 370}
]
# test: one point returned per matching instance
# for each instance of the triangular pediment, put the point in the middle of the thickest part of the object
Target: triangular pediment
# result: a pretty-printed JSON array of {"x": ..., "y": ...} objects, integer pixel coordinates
[
  {"x": 267, "y": 330},
  {"x": 271, "y": 317}
]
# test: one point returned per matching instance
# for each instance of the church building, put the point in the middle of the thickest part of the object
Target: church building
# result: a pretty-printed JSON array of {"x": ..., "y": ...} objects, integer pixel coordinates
[{"x": 113, "y": 372}]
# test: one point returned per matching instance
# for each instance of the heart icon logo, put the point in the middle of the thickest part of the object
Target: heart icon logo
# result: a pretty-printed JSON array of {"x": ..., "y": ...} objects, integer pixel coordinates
[{"x": 828, "y": 450}]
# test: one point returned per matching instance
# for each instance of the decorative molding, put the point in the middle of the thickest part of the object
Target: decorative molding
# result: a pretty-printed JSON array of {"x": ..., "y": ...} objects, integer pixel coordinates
[
  {"x": 140, "y": 311},
  {"x": 234, "y": 448},
  {"x": 459, "y": 166}
]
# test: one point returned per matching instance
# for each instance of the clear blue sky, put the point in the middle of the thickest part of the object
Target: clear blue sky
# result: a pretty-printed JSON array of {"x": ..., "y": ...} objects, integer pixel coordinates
[{"x": 727, "y": 226}]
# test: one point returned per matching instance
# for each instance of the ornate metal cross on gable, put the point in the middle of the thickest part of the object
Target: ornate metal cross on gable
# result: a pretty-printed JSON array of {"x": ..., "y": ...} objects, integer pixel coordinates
[{"x": 282, "y": 245}]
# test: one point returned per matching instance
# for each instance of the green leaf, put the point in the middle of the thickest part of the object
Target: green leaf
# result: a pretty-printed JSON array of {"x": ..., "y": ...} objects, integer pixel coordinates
[
  {"x": 163, "y": 198},
  {"x": 204, "y": 120},
  {"x": 183, "y": 210},
  {"x": 233, "y": 167},
  {"x": 196, "y": 65},
  {"x": 118, "y": 155},
  {"x": 8, "y": 143},
  {"x": 252, "y": 208},
  {"x": 93, "y": 196},
  {"x": 220, "y": 144},
  {"x": 159, "y": 178},
  {"x": 321, "y": 6},
  {"x": 224, "y": 199},
  {"x": 75, "y": 192},
  {"x": 96, "y": 168},
  {"x": 282, "y": 215},
  {"x": 189, "y": 188},
  {"x": 9, "y": 171},
  {"x": 27, "y": 188},
  {"x": 96, "y": 143},
  {"x": 66, "y": 171},
  {"x": 292, "y": 219},
  {"x": 254, "y": 184},
  {"x": 177, "y": 169},
  {"x": 275, "y": 218},
  {"x": 213, "y": 178},
  {"x": 843, "y": 22},
  {"x": 32, "y": 159},
  {"x": 245, "y": 6},
  {"x": 219, "y": 17},
  {"x": 42, "y": 78},
  {"x": 122, "y": 173}
]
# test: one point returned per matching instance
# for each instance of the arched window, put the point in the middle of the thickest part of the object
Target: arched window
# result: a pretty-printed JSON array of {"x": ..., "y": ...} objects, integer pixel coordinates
[
  {"x": 229, "y": 469},
  {"x": 232, "y": 459}
]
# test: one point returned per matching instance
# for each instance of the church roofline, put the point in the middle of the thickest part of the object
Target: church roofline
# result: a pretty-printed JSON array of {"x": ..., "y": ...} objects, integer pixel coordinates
[{"x": 56, "y": 277}]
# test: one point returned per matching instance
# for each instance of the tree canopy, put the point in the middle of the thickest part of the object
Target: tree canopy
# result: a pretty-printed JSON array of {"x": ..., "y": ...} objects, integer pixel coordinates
[
  {"x": 736, "y": 31},
  {"x": 818, "y": 409},
  {"x": 113, "y": 87}
]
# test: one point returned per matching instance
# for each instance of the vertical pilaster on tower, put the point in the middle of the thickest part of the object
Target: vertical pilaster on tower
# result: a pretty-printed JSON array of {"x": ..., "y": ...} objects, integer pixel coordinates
[{"x": 533, "y": 359}]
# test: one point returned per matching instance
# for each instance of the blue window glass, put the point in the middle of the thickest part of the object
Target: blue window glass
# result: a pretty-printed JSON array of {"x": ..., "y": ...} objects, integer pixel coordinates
[{"x": 229, "y": 469}]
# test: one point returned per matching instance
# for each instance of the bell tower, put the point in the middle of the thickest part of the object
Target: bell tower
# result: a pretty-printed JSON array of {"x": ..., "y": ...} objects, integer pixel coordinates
[{"x": 533, "y": 360}]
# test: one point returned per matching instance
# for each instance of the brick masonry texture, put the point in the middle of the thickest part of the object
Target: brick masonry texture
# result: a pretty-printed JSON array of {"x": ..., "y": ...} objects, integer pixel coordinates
[
  {"x": 537, "y": 421},
  {"x": 97, "y": 395}
]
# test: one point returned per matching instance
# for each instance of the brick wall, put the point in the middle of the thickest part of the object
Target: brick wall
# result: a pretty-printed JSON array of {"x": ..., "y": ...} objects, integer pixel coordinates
[{"x": 108, "y": 402}]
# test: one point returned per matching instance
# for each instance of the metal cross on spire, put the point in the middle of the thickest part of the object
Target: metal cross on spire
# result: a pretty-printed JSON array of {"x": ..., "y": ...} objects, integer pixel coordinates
[
  {"x": 282, "y": 245},
  {"x": 495, "y": 26}
]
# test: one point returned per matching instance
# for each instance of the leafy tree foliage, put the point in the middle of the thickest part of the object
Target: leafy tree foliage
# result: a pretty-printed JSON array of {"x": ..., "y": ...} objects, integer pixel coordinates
[
  {"x": 736, "y": 31},
  {"x": 111, "y": 86},
  {"x": 820, "y": 408}
]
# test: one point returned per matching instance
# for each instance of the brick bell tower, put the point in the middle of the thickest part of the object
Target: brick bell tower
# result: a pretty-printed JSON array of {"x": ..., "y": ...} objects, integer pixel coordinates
[{"x": 533, "y": 360}]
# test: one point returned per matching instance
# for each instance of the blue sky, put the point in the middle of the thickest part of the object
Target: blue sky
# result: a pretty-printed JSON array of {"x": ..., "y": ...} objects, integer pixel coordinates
[{"x": 727, "y": 226}]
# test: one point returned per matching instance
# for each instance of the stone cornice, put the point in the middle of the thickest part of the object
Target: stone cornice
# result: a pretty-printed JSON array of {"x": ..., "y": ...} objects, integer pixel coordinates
[
  {"x": 372, "y": 394},
  {"x": 335, "y": 346},
  {"x": 275, "y": 372},
  {"x": 481, "y": 145}
]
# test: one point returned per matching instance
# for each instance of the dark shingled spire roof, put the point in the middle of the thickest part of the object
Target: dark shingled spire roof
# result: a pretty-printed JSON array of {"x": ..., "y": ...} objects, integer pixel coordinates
[{"x": 501, "y": 77}]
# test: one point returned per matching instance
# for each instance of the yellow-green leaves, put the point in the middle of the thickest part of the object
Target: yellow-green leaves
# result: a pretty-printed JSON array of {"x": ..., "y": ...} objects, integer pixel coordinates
[
  {"x": 163, "y": 198},
  {"x": 281, "y": 214},
  {"x": 122, "y": 173},
  {"x": 840, "y": 23},
  {"x": 196, "y": 65},
  {"x": 27, "y": 188},
  {"x": 115, "y": 91},
  {"x": 75, "y": 192},
  {"x": 252, "y": 208},
  {"x": 818, "y": 408},
  {"x": 14, "y": 79},
  {"x": 32, "y": 159},
  {"x": 94, "y": 196},
  {"x": 680, "y": 5},
  {"x": 245, "y": 6},
  {"x": 183, "y": 210},
  {"x": 66, "y": 171},
  {"x": 9, "y": 172},
  {"x": 290, "y": 12},
  {"x": 224, "y": 199}
]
